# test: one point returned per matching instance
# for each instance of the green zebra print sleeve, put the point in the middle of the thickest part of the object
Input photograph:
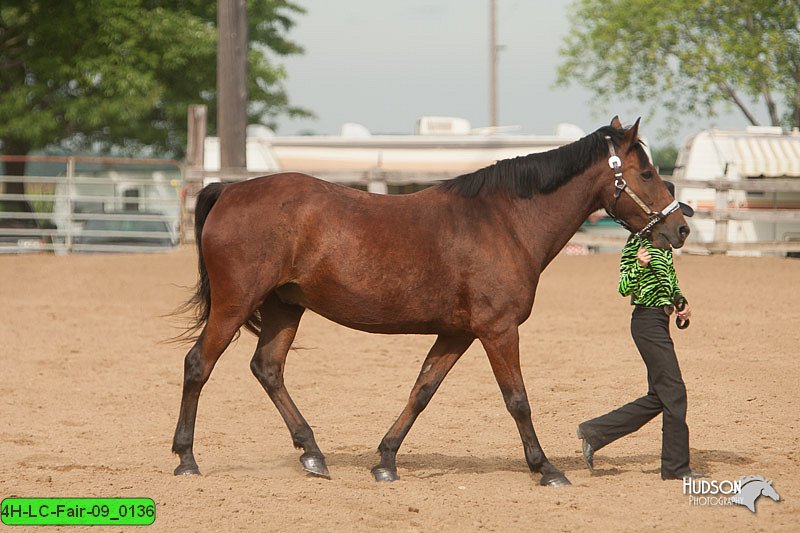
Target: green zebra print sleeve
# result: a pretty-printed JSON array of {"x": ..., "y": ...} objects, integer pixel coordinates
[
  {"x": 629, "y": 268},
  {"x": 652, "y": 286}
]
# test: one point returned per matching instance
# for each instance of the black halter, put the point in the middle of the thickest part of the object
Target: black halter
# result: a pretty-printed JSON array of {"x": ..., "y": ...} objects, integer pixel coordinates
[{"x": 620, "y": 186}]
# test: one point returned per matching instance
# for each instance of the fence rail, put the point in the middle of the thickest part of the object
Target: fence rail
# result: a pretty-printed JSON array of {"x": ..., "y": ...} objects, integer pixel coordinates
[
  {"x": 760, "y": 215},
  {"x": 757, "y": 185},
  {"x": 722, "y": 213}
]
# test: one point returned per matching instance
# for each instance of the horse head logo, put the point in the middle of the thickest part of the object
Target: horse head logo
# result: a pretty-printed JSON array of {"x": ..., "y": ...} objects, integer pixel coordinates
[{"x": 752, "y": 488}]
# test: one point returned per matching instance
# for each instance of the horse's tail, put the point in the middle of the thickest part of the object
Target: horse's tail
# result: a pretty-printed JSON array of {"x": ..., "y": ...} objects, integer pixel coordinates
[{"x": 200, "y": 302}]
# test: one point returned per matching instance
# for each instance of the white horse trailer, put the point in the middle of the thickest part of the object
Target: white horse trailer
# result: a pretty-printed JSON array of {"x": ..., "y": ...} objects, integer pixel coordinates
[{"x": 736, "y": 155}]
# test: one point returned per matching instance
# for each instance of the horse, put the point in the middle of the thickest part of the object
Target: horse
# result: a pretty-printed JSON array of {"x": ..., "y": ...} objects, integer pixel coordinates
[
  {"x": 754, "y": 487},
  {"x": 460, "y": 260}
]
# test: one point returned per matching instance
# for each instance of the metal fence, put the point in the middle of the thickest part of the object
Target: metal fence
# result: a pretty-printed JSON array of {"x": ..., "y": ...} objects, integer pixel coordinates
[{"x": 88, "y": 204}]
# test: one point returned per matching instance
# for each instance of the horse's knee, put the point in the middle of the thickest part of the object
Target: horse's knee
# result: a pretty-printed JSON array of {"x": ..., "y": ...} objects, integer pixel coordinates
[
  {"x": 423, "y": 397},
  {"x": 269, "y": 375},
  {"x": 518, "y": 406}
]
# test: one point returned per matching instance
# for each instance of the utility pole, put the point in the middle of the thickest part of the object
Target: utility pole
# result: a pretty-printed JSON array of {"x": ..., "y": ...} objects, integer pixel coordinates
[
  {"x": 493, "y": 63},
  {"x": 232, "y": 84}
]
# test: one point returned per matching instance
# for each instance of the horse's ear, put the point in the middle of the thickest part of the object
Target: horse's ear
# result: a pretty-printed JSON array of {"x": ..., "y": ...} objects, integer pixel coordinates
[
  {"x": 632, "y": 134},
  {"x": 615, "y": 123}
]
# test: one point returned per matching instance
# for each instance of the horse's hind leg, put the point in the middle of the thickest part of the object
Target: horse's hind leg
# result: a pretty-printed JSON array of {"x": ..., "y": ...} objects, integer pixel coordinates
[
  {"x": 197, "y": 367},
  {"x": 442, "y": 356},
  {"x": 503, "y": 352},
  {"x": 279, "y": 322}
]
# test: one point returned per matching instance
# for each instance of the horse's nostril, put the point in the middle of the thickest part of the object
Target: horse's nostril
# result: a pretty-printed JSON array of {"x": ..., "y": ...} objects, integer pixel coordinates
[{"x": 684, "y": 231}]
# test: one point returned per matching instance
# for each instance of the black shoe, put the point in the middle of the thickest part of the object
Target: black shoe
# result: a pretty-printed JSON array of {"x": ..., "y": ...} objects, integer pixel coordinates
[
  {"x": 586, "y": 448},
  {"x": 689, "y": 474}
]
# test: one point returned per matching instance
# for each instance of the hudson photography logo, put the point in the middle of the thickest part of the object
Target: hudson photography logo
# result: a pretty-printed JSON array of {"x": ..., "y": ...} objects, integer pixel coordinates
[{"x": 743, "y": 491}]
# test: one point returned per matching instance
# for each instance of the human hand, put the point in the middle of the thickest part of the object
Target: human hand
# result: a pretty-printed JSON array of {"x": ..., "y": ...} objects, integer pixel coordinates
[
  {"x": 643, "y": 257},
  {"x": 685, "y": 314}
]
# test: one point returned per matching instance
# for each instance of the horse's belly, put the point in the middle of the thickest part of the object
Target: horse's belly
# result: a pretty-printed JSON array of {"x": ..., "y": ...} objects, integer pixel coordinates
[{"x": 377, "y": 312}]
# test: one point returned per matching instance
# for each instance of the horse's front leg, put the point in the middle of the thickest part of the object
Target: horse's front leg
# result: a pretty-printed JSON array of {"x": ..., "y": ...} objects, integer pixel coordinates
[
  {"x": 442, "y": 356},
  {"x": 503, "y": 352}
]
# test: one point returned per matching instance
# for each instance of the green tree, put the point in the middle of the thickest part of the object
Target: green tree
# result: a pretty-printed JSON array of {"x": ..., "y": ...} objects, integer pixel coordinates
[
  {"x": 689, "y": 55},
  {"x": 118, "y": 75},
  {"x": 665, "y": 157}
]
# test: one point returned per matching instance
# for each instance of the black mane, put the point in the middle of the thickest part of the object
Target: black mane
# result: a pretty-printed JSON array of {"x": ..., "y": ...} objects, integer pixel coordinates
[{"x": 539, "y": 172}]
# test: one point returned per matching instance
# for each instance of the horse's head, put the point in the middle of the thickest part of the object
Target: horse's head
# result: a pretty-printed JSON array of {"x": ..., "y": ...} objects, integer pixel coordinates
[
  {"x": 768, "y": 490},
  {"x": 635, "y": 195}
]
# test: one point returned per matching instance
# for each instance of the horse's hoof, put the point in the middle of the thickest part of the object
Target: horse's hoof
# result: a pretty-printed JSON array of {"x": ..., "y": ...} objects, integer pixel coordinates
[
  {"x": 555, "y": 480},
  {"x": 384, "y": 474},
  {"x": 187, "y": 470},
  {"x": 315, "y": 465}
]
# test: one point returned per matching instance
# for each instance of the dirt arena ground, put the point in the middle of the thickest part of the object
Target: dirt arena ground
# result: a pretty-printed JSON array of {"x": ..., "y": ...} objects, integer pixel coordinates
[{"x": 89, "y": 400}]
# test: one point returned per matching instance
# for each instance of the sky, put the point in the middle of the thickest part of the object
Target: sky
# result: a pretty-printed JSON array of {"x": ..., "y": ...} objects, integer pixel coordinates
[{"x": 383, "y": 64}]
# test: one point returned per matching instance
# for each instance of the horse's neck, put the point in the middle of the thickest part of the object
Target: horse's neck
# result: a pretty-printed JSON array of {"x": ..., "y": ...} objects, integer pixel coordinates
[
  {"x": 752, "y": 488},
  {"x": 547, "y": 222}
]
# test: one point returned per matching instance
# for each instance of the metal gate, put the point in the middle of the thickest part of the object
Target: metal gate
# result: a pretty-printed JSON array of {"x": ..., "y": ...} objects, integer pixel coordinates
[{"x": 91, "y": 204}]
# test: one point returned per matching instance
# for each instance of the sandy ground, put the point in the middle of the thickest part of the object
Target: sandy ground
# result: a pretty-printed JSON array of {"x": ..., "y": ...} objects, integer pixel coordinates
[{"x": 90, "y": 397}]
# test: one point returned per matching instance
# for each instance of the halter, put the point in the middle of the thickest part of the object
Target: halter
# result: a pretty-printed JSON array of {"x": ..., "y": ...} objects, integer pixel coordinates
[{"x": 620, "y": 186}]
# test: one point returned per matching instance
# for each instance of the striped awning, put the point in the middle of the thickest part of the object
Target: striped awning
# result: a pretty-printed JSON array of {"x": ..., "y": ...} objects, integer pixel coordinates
[{"x": 771, "y": 156}]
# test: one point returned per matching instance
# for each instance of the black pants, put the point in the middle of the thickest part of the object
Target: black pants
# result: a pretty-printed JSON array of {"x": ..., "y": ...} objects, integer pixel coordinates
[{"x": 666, "y": 394}]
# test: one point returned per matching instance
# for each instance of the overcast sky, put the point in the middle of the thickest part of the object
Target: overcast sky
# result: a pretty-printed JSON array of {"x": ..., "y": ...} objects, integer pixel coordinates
[{"x": 384, "y": 63}]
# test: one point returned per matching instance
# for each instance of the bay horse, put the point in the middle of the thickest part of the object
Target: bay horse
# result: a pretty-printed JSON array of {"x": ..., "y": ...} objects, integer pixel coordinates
[{"x": 460, "y": 260}]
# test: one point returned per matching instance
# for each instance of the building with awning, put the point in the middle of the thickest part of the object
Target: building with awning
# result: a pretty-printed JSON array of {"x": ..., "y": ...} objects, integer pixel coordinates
[
  {"x": 440, "y": 148},
  {"x": 755, "y": 153}
]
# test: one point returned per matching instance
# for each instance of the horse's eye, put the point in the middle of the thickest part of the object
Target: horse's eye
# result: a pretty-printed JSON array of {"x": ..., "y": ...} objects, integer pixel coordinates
[{"x": 647, "y": 175}]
